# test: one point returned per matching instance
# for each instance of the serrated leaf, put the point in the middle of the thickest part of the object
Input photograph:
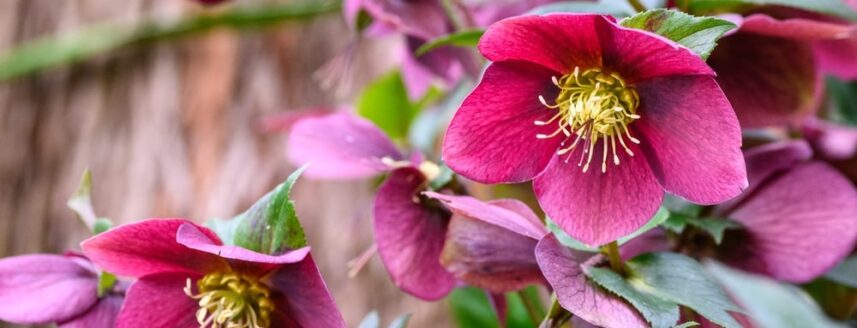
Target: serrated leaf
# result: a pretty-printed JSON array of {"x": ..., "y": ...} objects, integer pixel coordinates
[
  {"x": 830, "y": 7},
  {"x": 699, "y": 34},
  {"x": 468, "y": 38},
  {"x": 770, "y": 303},
  {"x": 371, "y": 320},
  {"x": 845, "y": 273},
  {"x": 385, "y": 102},
  {"x": 681, "y": 280},
  {"x": 659, "y": 218},
  {"x": 657, "y": 311},
  {"x": 271, "y": 226}
]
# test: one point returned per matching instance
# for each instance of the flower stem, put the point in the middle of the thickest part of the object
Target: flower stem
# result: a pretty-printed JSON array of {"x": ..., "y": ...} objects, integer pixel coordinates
[
  {"x": 532, "y": 309},
  {"x": 557, "y": 315},
  {"x": 638, "y": 6},
  {"x": 612, "y": 252}
]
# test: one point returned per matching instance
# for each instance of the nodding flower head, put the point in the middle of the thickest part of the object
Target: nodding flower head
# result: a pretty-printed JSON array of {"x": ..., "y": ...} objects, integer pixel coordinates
[{"x": 231, "y": 300}]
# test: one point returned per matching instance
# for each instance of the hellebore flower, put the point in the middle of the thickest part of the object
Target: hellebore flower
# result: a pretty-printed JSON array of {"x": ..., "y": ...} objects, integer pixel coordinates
[
  {"x": 830, "y": 140},
  {"x": 61, "y": 289},
  {"x": 568, "y": 98},
  {"x": 797, "y": 217},
  {"x": 188, "y": 278},
  {"x": 566, "y": 274},
  {"x": 772, "y": 68},
  {"x": 491, "y": 245}
]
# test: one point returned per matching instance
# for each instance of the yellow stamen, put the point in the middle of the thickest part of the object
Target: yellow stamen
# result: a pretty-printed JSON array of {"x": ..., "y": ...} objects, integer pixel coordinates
[
  {"x": 595, "y": 106},
  {"x": 230, "y": 300}
]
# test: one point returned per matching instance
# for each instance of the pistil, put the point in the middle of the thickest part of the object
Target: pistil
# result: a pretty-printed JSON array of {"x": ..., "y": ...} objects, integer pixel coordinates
[{"x": 592, "y": 106}]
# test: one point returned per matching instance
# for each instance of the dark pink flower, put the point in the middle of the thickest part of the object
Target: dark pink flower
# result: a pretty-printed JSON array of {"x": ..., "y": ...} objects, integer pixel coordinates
[
  {"x": 772, "y": 68},
  {"x": 43, "y": 288},
  {"x": 830, "y": 140},
  {"x": 566, "y": 274},
  {"x": 609, "y": 96},
  {"x": 491, "y": 245},
  {"x": 188, "y": 278},
  {"x": 797, "y": 217}
]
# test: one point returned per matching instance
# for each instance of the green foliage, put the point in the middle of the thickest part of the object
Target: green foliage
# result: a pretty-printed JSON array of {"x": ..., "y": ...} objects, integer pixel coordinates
[
  {"x": 106, "y": 281},
  {"x": 830, "y": 7},
  {"x": 86, "y": 43},
  {"x": 659, "y": 218},
  {"x": 842, "y": 101},
  {"x": 715, "y": 227},
  {"x": 81, "y": 203},
  {"x": 271, "y": 226},
  {"x": 468, "y": 38},
  {"x": 769, "y": 303},
  {"x": 658, "y": 312},
  {"x": 471, "y": 308},
  {"x": 700, "y": 34},
  {"x": 385, "y": 102},
  {"x": 845, "y": 273}
]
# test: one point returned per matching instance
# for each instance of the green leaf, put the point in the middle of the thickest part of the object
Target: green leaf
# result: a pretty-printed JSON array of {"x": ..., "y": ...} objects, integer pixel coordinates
[
  {"x": 830, "y": 7},
  {"x": 714, "y": 226},
  {"x": 769, "y": 303},
  {"x": 101, "y": 225},
  {"x": 700, "y": 34},
  {"x": 471, "y": 308},
  {"x": 842, "y": 101},
  {"x": 468, "y": 38},
  {"x": 845, "y": 273},
  {"x": 659, "y": 218},
  {"x": 86, "y": 43},
  {"x": 657, "y": 311},
  {"x": 607, "y": 7},
  {"x": 385, "y": 102},
  {"x": 371, "y": 320},
  {"x": 271, "y": 226},
  {"x": 106, "y": 281},
  {"x": 81, "y": 203},
  {"x": 401, "y": 321},
  {"x": 681, "y": 280}
]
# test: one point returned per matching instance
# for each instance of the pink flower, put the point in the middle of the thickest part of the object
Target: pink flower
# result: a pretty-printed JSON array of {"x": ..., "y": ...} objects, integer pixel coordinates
[
  {"x": 624, "y": 116},
  {"x": 772, "y": 69},
  {"x": 43, "y": 289},
  {"x": 188, "y": 278}
]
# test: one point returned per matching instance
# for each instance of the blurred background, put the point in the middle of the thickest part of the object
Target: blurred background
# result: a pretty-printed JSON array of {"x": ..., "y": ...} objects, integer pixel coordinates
[{"x": 172, "y": 128}]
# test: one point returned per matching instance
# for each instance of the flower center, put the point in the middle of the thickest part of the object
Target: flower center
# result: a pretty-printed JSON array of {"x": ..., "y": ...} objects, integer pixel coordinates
[
  {"x": 231, "y": 300},
  {"x": 592, "y": 105}
]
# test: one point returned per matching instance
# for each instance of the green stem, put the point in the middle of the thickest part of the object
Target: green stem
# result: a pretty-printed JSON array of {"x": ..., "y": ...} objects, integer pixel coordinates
[
  {"x": 616, "y": 263},
  {"x": 638, "y": 6},
  {"x": 451, "y": 11},
  {"x": 557, "y": 315},
  {"x": 532, "y": 309}
]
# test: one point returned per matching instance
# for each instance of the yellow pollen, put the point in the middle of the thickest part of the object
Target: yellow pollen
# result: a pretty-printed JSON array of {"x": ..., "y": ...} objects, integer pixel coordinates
[
  {"x": 592, "y": 106},
  {"x": 230, "y": 300}
]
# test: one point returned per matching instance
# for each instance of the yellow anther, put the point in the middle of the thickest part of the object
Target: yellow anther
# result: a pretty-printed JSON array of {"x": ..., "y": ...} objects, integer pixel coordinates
[{"x": 231, "y": 300}]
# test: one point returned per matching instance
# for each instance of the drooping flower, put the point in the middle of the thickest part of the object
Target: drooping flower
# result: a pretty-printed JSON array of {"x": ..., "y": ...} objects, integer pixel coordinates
[
  {"x": 60, "y": 289},
  {"x": 603, "y": 118},
  {"x": 831, "y": 141},
  {"x": 491, "y": 245},
  {"x": 772, "y": 69},
  {"x": 186, "y": 277}
]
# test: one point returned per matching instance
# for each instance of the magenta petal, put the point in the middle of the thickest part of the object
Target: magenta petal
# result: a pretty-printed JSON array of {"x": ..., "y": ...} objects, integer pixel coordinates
[
  {"x": 639, "y": 55},
  {"x": 159, "y": 301},
  {"x": 199, "y": 238},
  {"x": 489, "y": 256},
  {"x": 796, "y": 28},
  {"x": 340, "y": 146},
  {"x": 597, "y": 208},
  {"x": 500, "y": 306},
  {"x": 410, "y": 235},
  {"x": 149, "y": 247},
  {"x": 45, "y": 288},
  {"x": 768, "y": 80},
  {"x": 837, "y": 57},
  {"x": 497, "y": 213},
  {"x": 833, "y": 141},
  {"x": 800, "y": 223},
  {"x": 492, "y": 138},
  {"x": 691, "y": 138},
  {"x": 577, "y": 294},
  {"x": 301, "y": 296},
  {"x": 560, "y": 42},
  {"x": 103, "y": 314},
  {"x": 425, "y": 19}
]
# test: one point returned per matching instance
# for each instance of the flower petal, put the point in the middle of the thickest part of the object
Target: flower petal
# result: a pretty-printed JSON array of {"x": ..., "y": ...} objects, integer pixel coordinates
[
  {"x": 45, "y": 288},
  {"x": 199, "y": 238},
  {"x": 301, "y": 296},
  {"x": 796, "y": 28},
  {"x": 577, "y": 294},
  {"x": 103, "y": 314},
  {"x": 489, "y": 256},
  {"x": 837, "y": 57},
  {"x": 800, "y": 223},
  {"x": 768, "y": 80},
  {"x": 410, "y": 235},
  {"x": 492, "y": 138},
  {"x": 560, "y": 42},
  {"x": 832, "y": 140},
  {"x": 159, "y": 301},
  {"x": 340, "y": 146},
  {"x": 691, "y": 138},
  {"x": 425, "y": 19},
  {"x": 526, "y": 225},
  {"x": 639, "y": 55},
  {"x": 149, "y": 247},
  {"x": 594, "y": 207}
]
